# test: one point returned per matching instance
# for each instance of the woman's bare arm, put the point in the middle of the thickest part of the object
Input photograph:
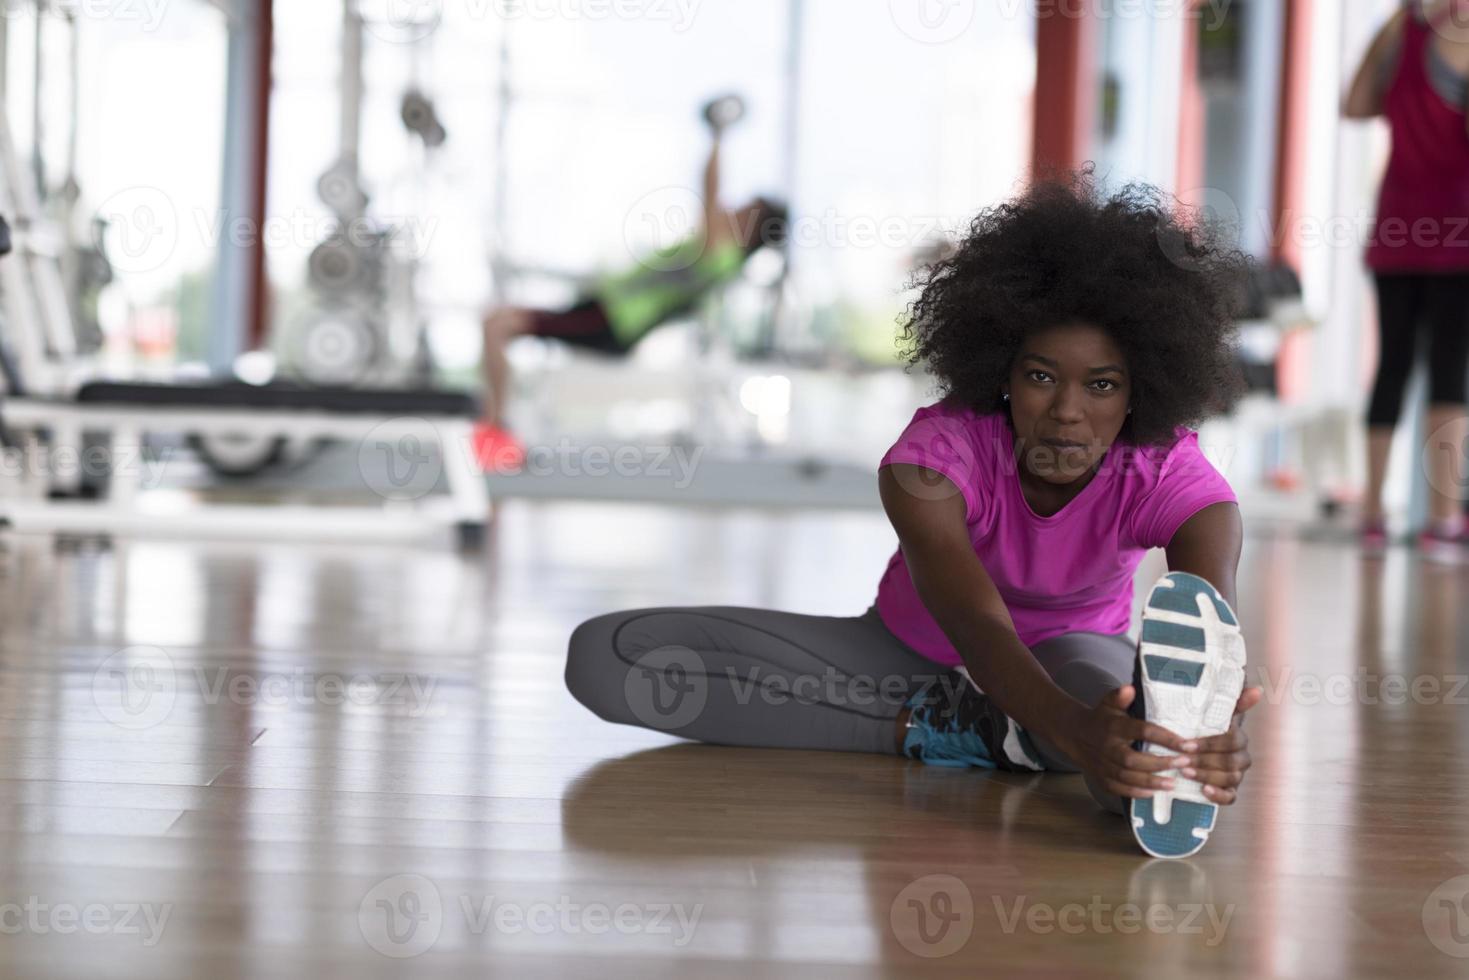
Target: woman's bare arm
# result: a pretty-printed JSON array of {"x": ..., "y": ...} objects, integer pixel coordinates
[
  {"x": 717, "y": 228},
  {"x": 963, "y": 600},
  {"x": 1364, "y": 97},
  {"x": 927, "y": 511},
  {"x": 1208, "y": 545}
]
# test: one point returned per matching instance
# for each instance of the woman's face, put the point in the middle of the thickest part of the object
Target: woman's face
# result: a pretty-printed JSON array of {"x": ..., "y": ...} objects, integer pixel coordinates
[{"x": 1069, "y": 394}]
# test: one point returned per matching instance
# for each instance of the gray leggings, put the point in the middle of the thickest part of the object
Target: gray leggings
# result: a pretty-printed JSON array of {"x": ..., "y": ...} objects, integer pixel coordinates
[{"x": 733, "y": 675}]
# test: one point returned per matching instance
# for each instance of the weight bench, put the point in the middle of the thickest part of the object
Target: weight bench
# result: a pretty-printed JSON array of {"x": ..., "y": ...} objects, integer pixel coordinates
[{"x": 423, "y": 438}]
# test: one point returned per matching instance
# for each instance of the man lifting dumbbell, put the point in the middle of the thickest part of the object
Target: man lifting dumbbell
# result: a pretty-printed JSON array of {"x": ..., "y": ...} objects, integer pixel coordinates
[{"x": 622, "y": 309}]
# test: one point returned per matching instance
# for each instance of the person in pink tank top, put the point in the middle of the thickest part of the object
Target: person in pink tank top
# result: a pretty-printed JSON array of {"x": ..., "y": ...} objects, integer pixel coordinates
[
  {"x": 1077, "y": 339},
  {"x": 1416, "y": 76}
]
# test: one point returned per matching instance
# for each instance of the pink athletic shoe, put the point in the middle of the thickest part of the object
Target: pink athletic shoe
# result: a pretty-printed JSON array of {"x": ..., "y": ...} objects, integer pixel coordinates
[
  {"x": 1442, "y": 547},
  {"x": 497, "y": 450}
]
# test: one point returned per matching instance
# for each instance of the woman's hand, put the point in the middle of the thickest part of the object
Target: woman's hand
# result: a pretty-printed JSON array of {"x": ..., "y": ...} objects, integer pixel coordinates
[
  {"x": 1220, "y": 761},
  {"x": 1101, "y": 746}
]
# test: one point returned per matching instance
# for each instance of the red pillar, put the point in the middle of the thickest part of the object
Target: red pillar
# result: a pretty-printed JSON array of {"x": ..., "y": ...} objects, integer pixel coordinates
[
  {"x": 1065, "y": 88},
  {"x": 1292, "y": 369},
  {"x": 1290, "y": 159},
  {"x": 1189, "y": 173}
]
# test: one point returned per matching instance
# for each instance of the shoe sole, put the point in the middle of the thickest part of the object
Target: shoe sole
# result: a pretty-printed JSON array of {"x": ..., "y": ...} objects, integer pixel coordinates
[{"x": 1192, "y": 667}]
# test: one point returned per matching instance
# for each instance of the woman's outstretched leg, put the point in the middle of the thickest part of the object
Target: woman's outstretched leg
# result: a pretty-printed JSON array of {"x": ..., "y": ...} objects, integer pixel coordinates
[
  {"x": 753, "y": 677},
  {"x": 732, "y": 675},
  {"x": 500, "y": 327}
]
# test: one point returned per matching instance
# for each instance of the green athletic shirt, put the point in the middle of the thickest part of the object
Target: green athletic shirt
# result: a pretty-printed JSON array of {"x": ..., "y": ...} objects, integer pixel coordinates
[{"x": 666, "y": 284}]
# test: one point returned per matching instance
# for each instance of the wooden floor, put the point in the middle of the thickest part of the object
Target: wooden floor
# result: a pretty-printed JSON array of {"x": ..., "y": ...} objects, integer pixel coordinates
[{"x": 178, "y": 798}]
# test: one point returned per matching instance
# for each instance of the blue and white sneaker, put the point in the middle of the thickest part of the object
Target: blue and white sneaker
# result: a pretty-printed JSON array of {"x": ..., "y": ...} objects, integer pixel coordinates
[
  {"x": 1191, "y": 668},
  {"x": 953, "y": 723}
]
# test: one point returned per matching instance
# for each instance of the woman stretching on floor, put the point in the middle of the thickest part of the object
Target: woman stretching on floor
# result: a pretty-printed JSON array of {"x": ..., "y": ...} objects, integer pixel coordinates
[{"x": 1075, "y": 340}]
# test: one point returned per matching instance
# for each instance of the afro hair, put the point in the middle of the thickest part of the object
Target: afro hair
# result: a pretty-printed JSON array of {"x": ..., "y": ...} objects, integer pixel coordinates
[{"x": 1164, "y": 287}]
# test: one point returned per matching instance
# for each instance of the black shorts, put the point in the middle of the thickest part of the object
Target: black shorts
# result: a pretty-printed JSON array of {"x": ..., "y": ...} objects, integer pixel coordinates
[{"x": 584, "y": 325}]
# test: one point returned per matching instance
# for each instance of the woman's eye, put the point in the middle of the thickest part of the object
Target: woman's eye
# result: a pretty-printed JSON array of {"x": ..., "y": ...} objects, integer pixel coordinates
[
  {"x": 1038, "y": 375},
  {"x": 1110, "y": 384}
]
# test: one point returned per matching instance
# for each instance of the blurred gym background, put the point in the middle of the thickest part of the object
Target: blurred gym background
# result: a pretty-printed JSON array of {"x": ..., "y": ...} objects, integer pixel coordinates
[
  {"x": 331, "y": 194},
  {"x": 247, "y": 250}
]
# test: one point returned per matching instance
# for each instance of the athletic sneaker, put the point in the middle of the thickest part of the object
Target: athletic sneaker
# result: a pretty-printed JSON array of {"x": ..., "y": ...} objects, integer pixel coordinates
[
  {"x": 1374, "y": 538},
  {"x": 496, "y": 450},
  {"x": 1443, "y": 543},
  {"x": 1191, "y": 667},
  {"x": 954, "y": 724}
]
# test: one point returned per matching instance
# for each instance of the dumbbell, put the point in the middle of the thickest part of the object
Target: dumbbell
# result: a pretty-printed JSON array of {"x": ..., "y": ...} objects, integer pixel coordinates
[
  {"x": 421, "y": 119},
  {"x": 723, "y": 112}
]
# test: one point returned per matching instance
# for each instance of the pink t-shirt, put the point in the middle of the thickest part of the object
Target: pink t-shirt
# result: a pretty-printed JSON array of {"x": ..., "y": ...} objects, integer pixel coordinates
[{"x": 1070, "y": 572}]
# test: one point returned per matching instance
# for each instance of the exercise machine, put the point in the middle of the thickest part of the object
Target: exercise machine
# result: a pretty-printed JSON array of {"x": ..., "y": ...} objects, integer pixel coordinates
[
  {"x": 411, "y": 445},
  {"x": 364, "y": 328}
]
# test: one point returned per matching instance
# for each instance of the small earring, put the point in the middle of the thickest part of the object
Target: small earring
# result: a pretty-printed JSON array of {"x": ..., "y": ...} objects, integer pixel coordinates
[
  {"x": 1129, "y": 411},
  {"x": 1006, "y": 397}
]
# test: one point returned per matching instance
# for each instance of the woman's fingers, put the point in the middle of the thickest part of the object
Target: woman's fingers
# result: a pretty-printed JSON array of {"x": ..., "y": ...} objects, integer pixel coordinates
[
  {"x": 1218, "y": 762},
  {"x": 1221, "y": 761},
  {"x": 1231, "y": 741},
  {"x": 1248, "y": 698},
  {"x": 1118, "y": 788},
  {"x": 1220, "y": 795},
  {"x": 1225, "y": 778},
  {"x": 1142, "y": 780},
  {"x": 1158, "y": 735},
  {"x": 1124, "y": 756},
  {"x": 1234, "y": 740},
  {"x": 1128, "y": 772},
  {"x": 1135, "y": 729},
  {"x": 1139, "y": 769}
]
